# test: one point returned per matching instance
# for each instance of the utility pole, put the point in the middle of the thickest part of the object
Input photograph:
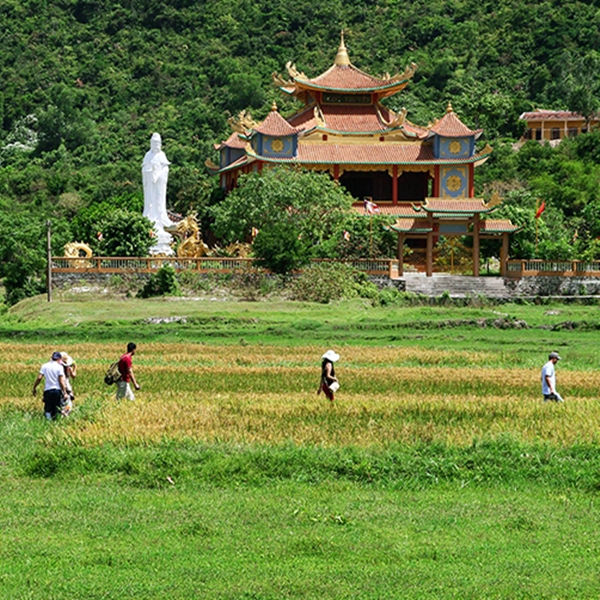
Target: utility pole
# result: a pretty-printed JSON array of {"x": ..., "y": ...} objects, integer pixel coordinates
[{"x": 49, "y": 259}]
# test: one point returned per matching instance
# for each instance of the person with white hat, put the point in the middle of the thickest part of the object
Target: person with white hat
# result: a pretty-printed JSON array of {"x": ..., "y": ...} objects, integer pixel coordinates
[
  {"x": 549, "y": 379},
  {"x": 70, "y": 373},
  {"x": 329, "y": 382}
]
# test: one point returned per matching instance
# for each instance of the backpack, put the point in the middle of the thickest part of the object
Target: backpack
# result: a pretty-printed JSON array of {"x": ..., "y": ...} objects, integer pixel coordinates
[{"x": 112, "y": 374}]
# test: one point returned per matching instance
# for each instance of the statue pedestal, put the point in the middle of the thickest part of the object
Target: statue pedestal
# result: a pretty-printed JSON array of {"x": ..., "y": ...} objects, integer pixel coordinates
[{"x": 163, "y": 243}]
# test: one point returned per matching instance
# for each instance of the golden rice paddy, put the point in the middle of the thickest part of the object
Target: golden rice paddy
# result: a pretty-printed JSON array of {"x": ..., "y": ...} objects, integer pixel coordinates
[{"x": 267, "y": 395}]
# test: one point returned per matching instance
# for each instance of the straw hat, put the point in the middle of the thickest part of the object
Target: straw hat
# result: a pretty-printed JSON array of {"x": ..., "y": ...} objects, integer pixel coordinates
[
  {"x": 330, "y": 355},
  {"x": 66, "y": 359}
]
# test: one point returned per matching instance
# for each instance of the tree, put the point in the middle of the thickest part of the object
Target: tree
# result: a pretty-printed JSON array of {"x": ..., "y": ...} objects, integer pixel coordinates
[
  {"x": 126, "y": 234},
  {"x": 298, "y": 205}
]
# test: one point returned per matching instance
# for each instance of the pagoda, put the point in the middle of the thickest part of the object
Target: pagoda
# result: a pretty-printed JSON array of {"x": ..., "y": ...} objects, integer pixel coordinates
[{"x": 423, "y": 176}]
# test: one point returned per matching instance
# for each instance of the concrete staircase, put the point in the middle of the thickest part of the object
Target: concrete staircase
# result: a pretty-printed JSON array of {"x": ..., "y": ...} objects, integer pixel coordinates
[{"x": 457, "y": 286}]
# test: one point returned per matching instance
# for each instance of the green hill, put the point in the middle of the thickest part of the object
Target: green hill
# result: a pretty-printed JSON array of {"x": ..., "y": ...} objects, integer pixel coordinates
[{"x": 86, "y": 82}]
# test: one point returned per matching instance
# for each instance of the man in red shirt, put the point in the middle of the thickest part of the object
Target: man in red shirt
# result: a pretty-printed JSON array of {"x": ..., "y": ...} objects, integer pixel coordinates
[{"x": 127, "y": 377}]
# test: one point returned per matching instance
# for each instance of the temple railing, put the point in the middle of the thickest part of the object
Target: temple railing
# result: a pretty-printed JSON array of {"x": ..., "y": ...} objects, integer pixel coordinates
[
  {"x": 563, "y": 268},
  {"x": 209, "y": 264}
]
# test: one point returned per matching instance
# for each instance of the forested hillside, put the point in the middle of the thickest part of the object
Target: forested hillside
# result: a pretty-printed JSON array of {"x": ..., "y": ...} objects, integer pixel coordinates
[{"x": 86, "y": 82}]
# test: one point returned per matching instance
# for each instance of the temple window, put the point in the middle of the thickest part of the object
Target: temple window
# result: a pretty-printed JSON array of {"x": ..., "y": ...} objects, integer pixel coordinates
[
  {"x": 572, "y": 132},
  {"x": 324, "y": 137},
  {"x": 555, "y": 133},
  {"x": 538, "y": 134}
]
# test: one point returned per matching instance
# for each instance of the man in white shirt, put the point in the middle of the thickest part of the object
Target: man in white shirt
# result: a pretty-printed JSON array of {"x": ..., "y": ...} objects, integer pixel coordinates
[
  {"x": 55, "y": 391},
  {"x": 549, "y": 379}
]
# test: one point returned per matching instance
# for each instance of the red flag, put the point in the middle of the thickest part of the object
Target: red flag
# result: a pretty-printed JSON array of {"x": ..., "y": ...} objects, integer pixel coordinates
[
  {"x": 541, "y": 209},
  {"x": 371, "y": 207}
]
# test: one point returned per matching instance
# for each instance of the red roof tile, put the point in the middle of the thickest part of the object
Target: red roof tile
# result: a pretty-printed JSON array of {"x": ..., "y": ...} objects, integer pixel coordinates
[
  {"x": 451, "y": 126},
  {"x": 498, "y": 226},
  {"x": 364, "y": 153},
  {"x": 454, "y": 205},
  {"x": 391, "y": 210},
  {"x": 551, "y": 115},
  {"x": 414, "y": 225},
  {"x": 233, "y": 141},
  {"x": 276, "y": 125},
  {"x": 348, "y": 77},
  {"x": 355, "y": 118}
]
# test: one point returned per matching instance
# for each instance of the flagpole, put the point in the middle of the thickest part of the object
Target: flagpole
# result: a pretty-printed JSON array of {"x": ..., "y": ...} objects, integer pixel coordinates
[
  {"x": 537, "y": 208},
  {"x": 371, "y": 235}
]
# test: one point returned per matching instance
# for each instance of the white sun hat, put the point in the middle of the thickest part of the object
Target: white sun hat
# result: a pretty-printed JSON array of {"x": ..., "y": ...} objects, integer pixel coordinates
[{"x": 331, "y": 355}]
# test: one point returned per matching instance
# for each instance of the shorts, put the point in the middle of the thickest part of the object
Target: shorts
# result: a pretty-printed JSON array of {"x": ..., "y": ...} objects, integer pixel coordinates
[
  {"x": 52, "y": 403},
  {"x": 124, "y": 391}
]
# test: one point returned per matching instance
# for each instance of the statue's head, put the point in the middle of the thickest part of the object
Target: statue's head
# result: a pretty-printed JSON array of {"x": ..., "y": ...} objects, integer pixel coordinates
[{"x": 155, "y": 142}]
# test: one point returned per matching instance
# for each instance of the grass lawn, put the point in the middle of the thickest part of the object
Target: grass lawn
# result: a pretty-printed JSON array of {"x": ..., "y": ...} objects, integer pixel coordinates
[{"x": 437, "y": 473}]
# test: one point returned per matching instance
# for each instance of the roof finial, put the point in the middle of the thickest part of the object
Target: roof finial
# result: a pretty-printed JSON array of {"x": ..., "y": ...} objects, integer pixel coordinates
[
  {"x": 274, "y": 106},
  {"x": 341, "y": 58},
  {"x": 449, "y": 107}
]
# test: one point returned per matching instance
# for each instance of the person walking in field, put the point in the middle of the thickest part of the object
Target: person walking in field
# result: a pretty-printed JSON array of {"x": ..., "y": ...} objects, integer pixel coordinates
[
  {"x": 127, "y": 377},
  {"x": 55, "y": 391},
  {"x": 70, "y": 369},
  {"x": 549, "y": 379},
  {"x": 329, "y": 382}
]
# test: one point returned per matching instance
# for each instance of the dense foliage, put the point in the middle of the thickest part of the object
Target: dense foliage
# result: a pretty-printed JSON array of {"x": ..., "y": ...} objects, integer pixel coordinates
[{"x": 86, "y": 83}]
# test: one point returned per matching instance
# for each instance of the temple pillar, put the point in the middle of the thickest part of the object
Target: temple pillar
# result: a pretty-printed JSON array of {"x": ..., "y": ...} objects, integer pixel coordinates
[
  {"x": 400, "y": 254},
  {"x": 471, "y": 180},
  {"x": 504, "y": 255},
  {"x": 429, "y": 255},
  {"x": 336, "y": 172},
  {"x": 476, "y": 246},
  {"x": 395, "y": 184},
  {"x": 436, "y": 182}
]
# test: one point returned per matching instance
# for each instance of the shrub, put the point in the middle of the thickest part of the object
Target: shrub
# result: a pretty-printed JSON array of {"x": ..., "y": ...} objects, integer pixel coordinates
[
  {"x": 280, "y": 249},
  {"x": 161, "y": 283},
  {"x": 325, "y": 282}
]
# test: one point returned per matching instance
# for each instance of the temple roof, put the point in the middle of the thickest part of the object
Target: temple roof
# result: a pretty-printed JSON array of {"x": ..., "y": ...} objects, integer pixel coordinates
[
  {"x": 233, "y": 141},
  {"x": 411, "y": 225},
  {"x": 276, "y": 125},
  {"x": 498, "y": 226},
  {"x": 454, "y": 206},
  {"x": 370, "y": 153},
  {"x": 451, "y": 126},
  {"x": 343, "y": 76}
]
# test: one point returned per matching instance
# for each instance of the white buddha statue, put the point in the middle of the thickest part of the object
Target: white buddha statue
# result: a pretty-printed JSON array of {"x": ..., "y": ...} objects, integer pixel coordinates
[{"x": 155, "y": 173}]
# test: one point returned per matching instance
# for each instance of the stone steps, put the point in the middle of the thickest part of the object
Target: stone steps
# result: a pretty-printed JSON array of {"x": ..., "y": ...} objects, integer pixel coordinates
[{"x": 457, "y": 286}]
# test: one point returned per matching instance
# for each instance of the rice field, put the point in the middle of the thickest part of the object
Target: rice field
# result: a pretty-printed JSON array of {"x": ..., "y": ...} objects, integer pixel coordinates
[{"x": 266, "y": 395}]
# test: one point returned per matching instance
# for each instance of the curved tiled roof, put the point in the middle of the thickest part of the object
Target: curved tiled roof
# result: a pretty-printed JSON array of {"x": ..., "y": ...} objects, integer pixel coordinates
[
  {"x": 276, "y": 125},
  {"x": 498, "y": 226},
  {"x": 454, "y": 205},
  {"x": 348, "y": 78},
  {"x": 451, "y": 126},
  {"x": 374, "y": 154},
  {"x": 233, "y": 141},
  {"x": 411, "y": 225},
  {"x": 391, "y": 210}
]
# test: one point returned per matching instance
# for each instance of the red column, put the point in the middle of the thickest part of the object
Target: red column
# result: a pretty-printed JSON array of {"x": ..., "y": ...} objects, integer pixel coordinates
[
  {"x": 471, "y": 180},
  {"x": 336, "y": 172},
  {"x": 436, "y": 182},
  {"x": 395, "y": 185}
]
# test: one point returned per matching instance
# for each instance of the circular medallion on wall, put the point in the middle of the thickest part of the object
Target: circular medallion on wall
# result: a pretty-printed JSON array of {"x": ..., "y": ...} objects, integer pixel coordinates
[
  {"x": 454, "y": 183},
  {"x": 277, "y": 145},
  {"x": 455, "y": 147}
]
